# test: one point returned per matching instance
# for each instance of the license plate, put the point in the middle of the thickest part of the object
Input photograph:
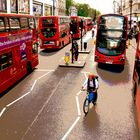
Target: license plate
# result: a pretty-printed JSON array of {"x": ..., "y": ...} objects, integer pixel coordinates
[
  {"x": 51, "y": 42},
  {"x": 109, "y": 62}
]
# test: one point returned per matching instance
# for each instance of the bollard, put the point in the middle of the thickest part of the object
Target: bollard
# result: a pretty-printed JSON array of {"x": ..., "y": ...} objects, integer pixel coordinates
[
  {"x": 67, "y": 57},
  {"x": 85, "y": 45}
]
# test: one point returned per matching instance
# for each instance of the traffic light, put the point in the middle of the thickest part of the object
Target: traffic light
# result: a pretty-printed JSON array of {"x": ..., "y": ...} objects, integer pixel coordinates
[{"x": 73, "y": 28}]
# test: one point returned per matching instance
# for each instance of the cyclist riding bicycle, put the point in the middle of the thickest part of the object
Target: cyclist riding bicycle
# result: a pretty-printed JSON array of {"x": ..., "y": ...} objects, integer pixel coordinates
[{"x": 92, "y": 85}]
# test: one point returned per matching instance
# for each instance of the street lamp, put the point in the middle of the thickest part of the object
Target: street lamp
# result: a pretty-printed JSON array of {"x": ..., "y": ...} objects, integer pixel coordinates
[
  {"x": 130, "y": 4},
  {"x": 119, "y": 6},
  {"x": 53, "y": 7}
]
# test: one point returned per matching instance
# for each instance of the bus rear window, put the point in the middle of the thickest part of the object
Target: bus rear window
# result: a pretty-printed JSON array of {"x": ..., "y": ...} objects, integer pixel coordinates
[{"x": 48, "y": 22}]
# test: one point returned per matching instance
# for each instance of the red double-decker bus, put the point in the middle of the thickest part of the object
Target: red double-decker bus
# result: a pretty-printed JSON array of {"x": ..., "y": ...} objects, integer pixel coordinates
[
  {"x": 54, "y": 31},
  {"x": 76, "y": 21},
  {"x": 111, "y": 39},
  {"x": 136, "y": 81},
  {"x": 18, "y": 48},
  {"x": 89, "y": 23}
]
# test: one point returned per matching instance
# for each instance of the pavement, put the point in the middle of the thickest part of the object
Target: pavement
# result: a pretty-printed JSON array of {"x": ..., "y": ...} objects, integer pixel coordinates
[{"x": 80, "y": 63}]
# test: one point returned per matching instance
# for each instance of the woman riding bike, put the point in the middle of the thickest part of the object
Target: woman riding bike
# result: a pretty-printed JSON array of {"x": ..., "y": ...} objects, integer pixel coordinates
[{"x": 92, "y": 85}]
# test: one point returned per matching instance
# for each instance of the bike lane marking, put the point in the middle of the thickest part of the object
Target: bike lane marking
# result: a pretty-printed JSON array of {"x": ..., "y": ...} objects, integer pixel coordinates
[
  {"x": 41, "y": 109},
  {"x": 70, "y": 129},
  {"x": 78, "y": 110},
  {"x": 3, "y": 110}
]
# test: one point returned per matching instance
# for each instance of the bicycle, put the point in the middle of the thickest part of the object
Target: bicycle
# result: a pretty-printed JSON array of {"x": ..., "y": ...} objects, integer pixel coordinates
[{"x": 89, "y": 98}]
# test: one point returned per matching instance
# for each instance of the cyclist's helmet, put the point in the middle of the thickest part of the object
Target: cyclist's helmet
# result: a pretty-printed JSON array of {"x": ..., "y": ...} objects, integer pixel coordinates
[{"x": 90, "y": 75}]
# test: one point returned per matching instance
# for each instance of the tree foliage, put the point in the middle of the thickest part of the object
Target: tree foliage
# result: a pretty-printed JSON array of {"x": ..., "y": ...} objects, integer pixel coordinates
[
  {"x": 83, "y": 9},
  {"x": 69, "y": 3}
]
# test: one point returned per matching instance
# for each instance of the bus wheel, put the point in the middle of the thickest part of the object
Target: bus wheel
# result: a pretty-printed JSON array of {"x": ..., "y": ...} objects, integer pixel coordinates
[{"x": 29, "y": 68}]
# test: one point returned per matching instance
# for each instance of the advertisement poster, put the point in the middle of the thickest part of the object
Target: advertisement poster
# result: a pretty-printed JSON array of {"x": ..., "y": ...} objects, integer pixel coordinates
[
  {"x": 37, "y": 9},
  {"x": 13, "y": 6},
  {"x": 48, "y": 10},
  {"x": 24, "y": 6},
  {"x": 2, "y": 5}
]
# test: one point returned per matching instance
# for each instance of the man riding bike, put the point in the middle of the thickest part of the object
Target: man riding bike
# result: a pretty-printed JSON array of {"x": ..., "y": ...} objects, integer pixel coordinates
[{"x": 92, "y": 85}]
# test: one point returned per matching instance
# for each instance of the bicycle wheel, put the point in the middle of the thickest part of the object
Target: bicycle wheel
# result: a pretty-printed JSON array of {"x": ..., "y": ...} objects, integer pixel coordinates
[{"x": 86, "y": 106}]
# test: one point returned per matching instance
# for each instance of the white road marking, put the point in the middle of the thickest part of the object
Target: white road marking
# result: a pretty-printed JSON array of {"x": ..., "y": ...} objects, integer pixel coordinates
[
  {"x": 2, "y": 111},
  {"x": 41, "y": 109},
  {"x": 78, "y": 107},
  {"x": 18, "y": 99},
  {"x": 27, "y": 92},
  {"x": 43, "y": 70},
  {"x": 79, "y": 112},
  {"x": 44, "y": 75},
  {"x": 78, "y": 93},
  {"x": 70, "y": 129},
  {"x": 33, "y": 85}
]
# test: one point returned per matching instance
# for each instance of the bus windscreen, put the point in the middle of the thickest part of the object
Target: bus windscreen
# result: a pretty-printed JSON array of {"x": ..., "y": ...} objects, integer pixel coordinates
[{"x": 111, "y": 35}]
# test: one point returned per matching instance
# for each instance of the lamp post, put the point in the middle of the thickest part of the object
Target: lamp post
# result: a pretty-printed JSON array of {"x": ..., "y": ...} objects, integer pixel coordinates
[
  {"x": 119, "y": 5},
  {"x": 130, "y": 4},
  {"x": 53, "y": 8}
]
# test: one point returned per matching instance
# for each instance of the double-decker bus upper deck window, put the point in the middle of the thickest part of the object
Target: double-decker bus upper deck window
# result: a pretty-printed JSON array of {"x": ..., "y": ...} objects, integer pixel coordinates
[
  {"x": 48, "y": 22},
  {"x": 7, "y": 24},
  {"x": 24, "y": 23},
  {"x": 14, "y": 23},
  {"x": 2, "y": 27},
  {"x": 32, "y": 23}
]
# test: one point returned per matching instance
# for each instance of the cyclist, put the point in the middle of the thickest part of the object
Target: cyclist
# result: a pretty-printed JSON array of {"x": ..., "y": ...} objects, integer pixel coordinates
[{"x": 92, "y": 85}]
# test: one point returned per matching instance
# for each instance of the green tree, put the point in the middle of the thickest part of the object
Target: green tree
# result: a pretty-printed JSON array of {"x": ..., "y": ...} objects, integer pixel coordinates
[{"x": 68, "y": 4}]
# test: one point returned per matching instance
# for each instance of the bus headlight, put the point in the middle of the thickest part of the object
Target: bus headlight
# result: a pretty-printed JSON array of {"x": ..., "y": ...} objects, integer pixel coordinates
[
  {"x": 57, "y": 43},
  {"x": 122, "y": 59},
  {"x": 96, "y": 57}
]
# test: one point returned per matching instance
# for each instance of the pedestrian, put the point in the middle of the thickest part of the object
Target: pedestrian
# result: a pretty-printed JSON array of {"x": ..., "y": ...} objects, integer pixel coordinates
[
  {"x": 75, "y": 50},
  {"x": 93, "y": 33}
]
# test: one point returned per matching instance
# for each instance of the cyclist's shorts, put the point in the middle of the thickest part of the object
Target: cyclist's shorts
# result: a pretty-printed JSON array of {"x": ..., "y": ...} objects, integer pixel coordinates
[{"x": 91, "y": 96}]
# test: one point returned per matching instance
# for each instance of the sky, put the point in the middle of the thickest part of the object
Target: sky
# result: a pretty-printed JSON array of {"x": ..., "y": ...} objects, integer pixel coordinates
[{"x": 104, "y": 6}]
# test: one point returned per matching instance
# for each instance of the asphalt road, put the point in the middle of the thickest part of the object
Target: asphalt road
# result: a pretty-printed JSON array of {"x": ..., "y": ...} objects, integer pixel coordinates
[{"x": 47, "y": 104}]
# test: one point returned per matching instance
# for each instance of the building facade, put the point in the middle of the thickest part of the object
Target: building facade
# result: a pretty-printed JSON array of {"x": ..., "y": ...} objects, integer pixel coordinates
[
  {"x": 62, "y": 7},
  {"x": 126, "y": 9},
  {"x": 34, "y": 7}
]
